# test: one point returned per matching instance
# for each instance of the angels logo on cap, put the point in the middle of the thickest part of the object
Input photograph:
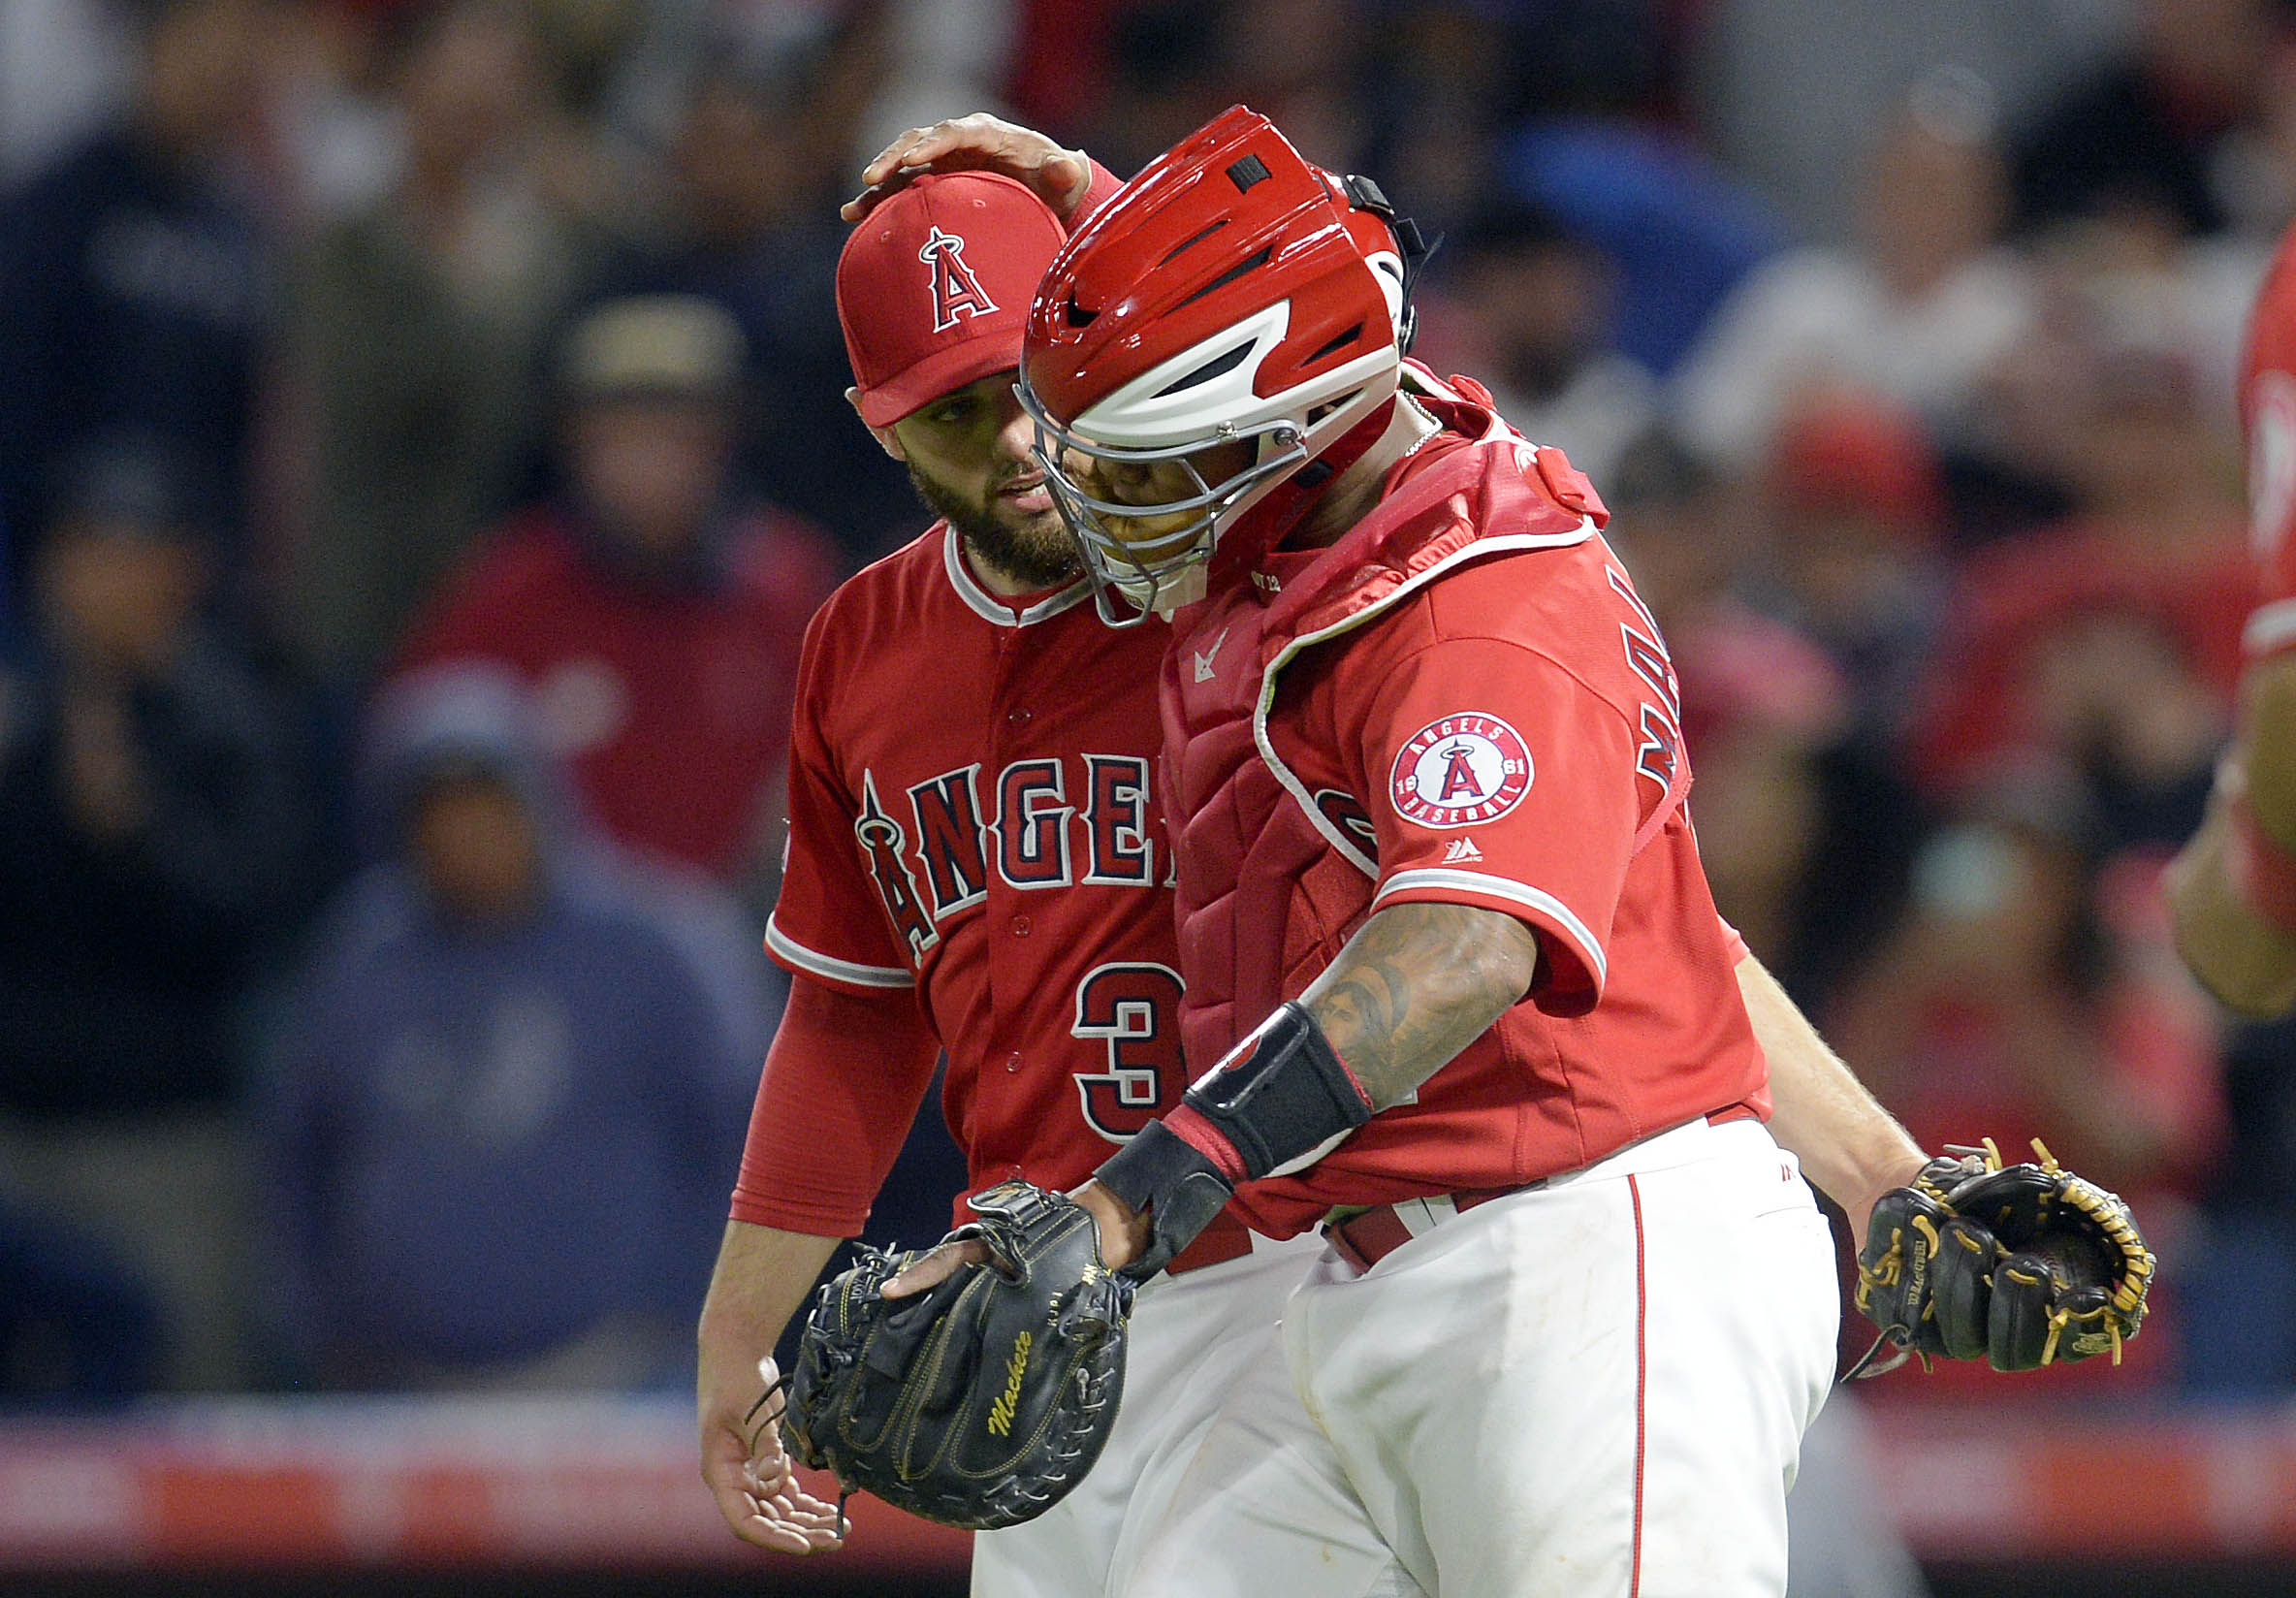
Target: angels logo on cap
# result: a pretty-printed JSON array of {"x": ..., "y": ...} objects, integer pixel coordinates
[
  {"x": 956, "y": 292},
  {"x": 1460, "y": 771}
]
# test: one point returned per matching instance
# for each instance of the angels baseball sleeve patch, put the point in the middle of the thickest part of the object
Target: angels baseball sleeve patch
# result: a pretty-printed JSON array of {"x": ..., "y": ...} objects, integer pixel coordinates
[{"x": 1460, "y": 771}]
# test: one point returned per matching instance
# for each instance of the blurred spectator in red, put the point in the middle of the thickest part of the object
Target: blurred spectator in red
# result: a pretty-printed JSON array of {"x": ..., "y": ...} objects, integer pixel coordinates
[
  {"x": 420, "y": 328},
  {"x": 135, "y": 276},
  {"x": 656, "y": 618},
  {"x": 1806, "y": 821},
  {"x": 2032, "y": 991},
  {"x": 1804, "y": 825},
  {"x": 2091, "y": 665},
  {"x": 1758, "y": 704},
  {"x": 511, "y": 1084},
  {"x": 1848, "y": 509},
  {"x": 2109, "y": 641},
  {"x": 151, "y": 836},
  {"x": 1920, "y": 303}
]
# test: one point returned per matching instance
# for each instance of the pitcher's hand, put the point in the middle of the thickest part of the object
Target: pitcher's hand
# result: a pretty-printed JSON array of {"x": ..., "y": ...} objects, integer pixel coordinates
[
  {"x": 750, "y": 1475},
  {"x": 979, "y": 143}
]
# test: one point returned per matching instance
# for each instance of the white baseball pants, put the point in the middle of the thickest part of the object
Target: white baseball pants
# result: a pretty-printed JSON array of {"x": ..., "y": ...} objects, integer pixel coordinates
[{"x": 1593, "y": 1388}]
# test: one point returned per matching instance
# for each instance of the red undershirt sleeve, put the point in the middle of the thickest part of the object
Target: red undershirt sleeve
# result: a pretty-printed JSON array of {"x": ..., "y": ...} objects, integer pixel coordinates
[{"x": 842, "y": 1082}]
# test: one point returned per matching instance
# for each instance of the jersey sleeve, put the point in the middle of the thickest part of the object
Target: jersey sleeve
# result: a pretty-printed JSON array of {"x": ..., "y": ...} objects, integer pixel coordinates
[
  {"x": 841, "y": 1083},
  {"x": 827, "y": 924},
  {"x": 1501, "y": 780}
]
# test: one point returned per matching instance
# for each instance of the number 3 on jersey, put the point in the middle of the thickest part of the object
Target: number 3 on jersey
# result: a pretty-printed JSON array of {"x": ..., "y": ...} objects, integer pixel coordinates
[{"x": 1133, "y": 1009}]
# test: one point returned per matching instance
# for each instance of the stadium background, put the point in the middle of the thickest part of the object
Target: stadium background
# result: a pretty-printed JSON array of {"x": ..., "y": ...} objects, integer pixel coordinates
[{"x": 1899, "y": 336}]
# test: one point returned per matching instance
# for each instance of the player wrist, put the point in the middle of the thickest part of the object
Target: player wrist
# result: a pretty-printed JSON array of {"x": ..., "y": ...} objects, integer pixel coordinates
[{"x": 1278, "y": 1101}]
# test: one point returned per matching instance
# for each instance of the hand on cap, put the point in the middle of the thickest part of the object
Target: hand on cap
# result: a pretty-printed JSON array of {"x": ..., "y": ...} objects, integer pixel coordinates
[{"x": 979, "y": 143}]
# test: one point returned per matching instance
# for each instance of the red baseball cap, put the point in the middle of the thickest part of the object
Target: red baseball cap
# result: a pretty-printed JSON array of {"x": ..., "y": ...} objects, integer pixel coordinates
[{"x": 933, "y": 287}]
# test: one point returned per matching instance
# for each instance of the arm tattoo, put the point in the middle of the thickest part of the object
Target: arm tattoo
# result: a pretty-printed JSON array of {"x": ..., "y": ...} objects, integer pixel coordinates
[{"x": 1417, "y": 984}]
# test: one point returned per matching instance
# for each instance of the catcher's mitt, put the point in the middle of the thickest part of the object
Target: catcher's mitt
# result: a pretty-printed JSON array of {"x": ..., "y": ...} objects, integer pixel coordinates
[
  {"x": 981, "y": 1402},
  {"x": 2021, "y": 1265}
]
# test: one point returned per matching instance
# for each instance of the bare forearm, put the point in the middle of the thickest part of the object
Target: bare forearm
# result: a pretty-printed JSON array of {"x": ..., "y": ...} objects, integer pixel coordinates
[
  {"x": 2247, "y": 963},
  {"x": 1416, "y": 985},
  {"x": 2240, "y": 954},
  {"x": 1851, "y": 1148},
  {"x": 762, "y": 1276},
  {"x": 2268, "y": 736}
]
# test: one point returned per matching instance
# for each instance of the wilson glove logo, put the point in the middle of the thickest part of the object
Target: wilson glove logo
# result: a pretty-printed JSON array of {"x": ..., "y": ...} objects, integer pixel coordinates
[{"x": 1001, "y": 1412}]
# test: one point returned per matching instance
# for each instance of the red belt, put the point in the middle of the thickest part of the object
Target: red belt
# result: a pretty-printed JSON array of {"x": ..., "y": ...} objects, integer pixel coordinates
[
  {"x": 1364, "y": 1240},
  {"x": 1226, "y": 1238}
]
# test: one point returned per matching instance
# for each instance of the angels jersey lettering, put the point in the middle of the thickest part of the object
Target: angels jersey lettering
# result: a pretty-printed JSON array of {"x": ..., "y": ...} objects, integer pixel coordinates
[{"x": 975, "y": 817}]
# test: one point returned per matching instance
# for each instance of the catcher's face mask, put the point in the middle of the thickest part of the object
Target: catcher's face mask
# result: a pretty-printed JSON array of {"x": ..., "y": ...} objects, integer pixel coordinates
[{"x": 1228, "y": 319}]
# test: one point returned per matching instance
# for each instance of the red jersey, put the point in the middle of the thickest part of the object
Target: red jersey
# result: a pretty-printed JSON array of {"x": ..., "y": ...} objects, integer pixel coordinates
[
  {"x": 975, "y": 816},
  {"x": 671, "y": 702},
  {"x": 2267, "y": 418},
  {"x": 1466, "y": 700}
]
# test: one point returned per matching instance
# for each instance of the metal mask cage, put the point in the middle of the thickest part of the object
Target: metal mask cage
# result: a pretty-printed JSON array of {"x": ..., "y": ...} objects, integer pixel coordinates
[{"x": 1141, "y": 570}]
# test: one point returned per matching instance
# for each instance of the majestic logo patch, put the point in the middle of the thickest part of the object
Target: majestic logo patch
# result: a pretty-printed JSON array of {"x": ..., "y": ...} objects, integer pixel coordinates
[
  {"x": 1460, "y": 771},
  {"x": 956, "y": 292}
]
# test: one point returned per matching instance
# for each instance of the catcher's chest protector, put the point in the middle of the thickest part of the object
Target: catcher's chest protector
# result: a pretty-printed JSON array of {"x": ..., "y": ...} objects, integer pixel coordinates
[{"x": 1264, "y": 901}]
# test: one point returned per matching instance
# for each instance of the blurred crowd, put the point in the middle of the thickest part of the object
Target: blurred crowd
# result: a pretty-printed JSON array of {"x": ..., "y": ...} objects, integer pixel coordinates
[{"x": 422, "y": 442}]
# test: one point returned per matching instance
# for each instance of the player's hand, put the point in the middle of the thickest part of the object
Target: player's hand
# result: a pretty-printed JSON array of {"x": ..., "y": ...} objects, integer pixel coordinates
[
  {"x": 1124, "y": 1233},
  {"x": 750, "y": 1476},
  {"x": 935, "y": 1266},
  {"x": 979, "y": 143}
]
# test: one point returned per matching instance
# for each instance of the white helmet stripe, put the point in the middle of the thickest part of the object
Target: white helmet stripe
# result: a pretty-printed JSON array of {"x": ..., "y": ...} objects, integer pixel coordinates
[{"x": 1148, "y": 411}]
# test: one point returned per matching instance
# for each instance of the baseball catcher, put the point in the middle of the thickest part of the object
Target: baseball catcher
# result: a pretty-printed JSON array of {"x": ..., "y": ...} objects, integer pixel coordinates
[
  {"x": 2021, "y": 1265},
  {"x": 982, "y": 1401}
]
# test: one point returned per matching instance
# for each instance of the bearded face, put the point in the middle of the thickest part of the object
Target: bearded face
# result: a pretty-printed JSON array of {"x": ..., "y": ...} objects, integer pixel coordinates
[{"x": 967, "y": 456}]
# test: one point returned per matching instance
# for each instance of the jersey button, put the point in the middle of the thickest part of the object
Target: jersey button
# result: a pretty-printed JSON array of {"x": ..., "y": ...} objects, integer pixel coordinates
[
  {"x": 1020, "y": 926},
  {"x": 1018, "y": 718},
  {"x": 1012, "y": 1064}
]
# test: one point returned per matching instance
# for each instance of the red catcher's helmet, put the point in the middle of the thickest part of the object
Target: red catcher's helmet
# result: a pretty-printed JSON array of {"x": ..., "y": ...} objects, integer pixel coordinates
[{"x": 1230, "y": 293}]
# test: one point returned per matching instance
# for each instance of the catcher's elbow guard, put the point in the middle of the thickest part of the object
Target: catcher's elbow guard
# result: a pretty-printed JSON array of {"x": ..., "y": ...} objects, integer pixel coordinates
[{"x": 1280, "y": 1100}]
